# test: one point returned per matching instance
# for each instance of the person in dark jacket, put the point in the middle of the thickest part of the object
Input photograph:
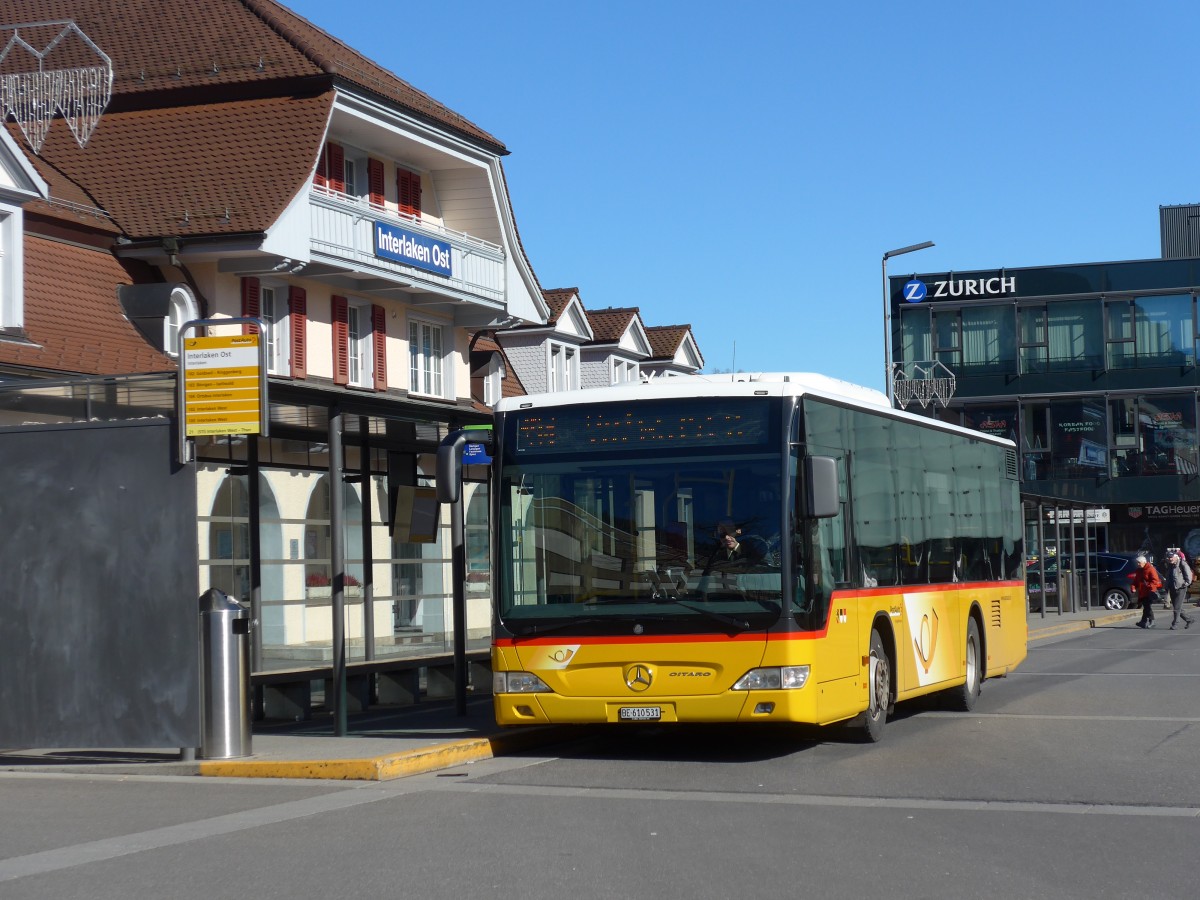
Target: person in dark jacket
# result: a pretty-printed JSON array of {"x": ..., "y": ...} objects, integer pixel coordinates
[
  {"x": 1178, "y": 576},
  {"x": 731, "y": 553},
  {"x": 1147, "y": 585}
]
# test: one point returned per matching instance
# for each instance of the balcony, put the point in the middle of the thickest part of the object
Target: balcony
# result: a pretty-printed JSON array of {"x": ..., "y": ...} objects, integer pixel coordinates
[{"x": 344, "y": 237}]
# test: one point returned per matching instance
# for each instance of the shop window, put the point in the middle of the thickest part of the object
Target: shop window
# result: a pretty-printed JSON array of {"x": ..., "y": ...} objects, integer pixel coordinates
[
  {"x": 998, "y": 421},
  {"x": 1123, "y": 437},
  {"x": 1078, "y": 438},
  {"x": 1168, "y": 434},
  {"x": 1035, "y": 441}
]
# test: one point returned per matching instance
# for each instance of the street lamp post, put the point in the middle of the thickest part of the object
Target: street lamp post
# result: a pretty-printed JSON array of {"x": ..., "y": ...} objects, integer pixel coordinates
[{"x": 887, "y": 316}]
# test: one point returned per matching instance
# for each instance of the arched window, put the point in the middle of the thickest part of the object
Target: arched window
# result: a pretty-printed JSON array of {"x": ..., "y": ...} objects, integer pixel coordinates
[{"x": 182, "y": 309}]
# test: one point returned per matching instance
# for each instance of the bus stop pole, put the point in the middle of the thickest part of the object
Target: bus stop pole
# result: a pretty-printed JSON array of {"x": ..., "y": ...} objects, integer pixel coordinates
[
  {"x": 449, "y": 490},
  {"x": 337, "y": 560},
  {"x": 458, "y": 566}
]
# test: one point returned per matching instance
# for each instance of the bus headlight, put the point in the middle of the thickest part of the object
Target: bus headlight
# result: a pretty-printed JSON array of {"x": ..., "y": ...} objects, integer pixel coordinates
[
  {"x": 518, "y": 683},
  {"x": 788, "y": 678}
]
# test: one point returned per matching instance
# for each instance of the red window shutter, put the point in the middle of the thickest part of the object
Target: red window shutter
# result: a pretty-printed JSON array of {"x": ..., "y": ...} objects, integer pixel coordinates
[
  {"x": 298, "y": 317},
  {"x": 251, "y": 303},
  {"x": 341, "y": 341},
  {"x": 408, "y": 192},
  {"x": 375, "y": 181},
  {"x": 337, "y": 168},
  {"x": 379, "y": 343},
  {"x": 321, "y": 176}
]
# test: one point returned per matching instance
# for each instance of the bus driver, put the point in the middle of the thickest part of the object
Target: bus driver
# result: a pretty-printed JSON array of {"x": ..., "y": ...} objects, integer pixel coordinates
[{"x": 731, "y": 554}]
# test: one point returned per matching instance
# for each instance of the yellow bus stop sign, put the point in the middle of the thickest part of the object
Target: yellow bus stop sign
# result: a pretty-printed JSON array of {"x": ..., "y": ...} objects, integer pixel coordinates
[{"x": 222, "y": 388}]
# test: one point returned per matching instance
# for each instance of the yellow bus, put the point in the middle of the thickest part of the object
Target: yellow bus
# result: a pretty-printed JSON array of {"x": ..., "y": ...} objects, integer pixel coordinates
[{"x": 747, "y": 548}]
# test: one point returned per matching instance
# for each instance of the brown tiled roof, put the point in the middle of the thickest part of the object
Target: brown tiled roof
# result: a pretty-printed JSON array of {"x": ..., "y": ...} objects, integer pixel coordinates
[
  {"x": 609, "y": 324},
  {"x": 176, "y": 171},
  {"x": 510, "y": 384},
  {"x": 213, "y": 46},
  {"x": 73, "y": 314},
  {"x": 665, "y": 340},
  {"x": 557, "y": 299}
]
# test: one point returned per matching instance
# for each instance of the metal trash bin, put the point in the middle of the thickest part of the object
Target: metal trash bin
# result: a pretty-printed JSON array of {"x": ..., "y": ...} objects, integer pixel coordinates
[{"x": 225, "y": 676}]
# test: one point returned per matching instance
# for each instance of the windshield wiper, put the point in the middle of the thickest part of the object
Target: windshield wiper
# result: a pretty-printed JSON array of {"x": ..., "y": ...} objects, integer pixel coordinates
[
  {"x": 536, "y": 629},
  {"x": 736, "y": 624}
]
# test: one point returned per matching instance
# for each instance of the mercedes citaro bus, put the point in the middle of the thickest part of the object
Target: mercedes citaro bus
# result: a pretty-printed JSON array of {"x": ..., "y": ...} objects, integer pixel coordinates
[{"x": 878, "y": 554}]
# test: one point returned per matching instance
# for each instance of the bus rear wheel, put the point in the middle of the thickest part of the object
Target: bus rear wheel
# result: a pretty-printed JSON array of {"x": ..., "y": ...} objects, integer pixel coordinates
[
  {"x": 963, "y": 697},
  {"x": 879, "y": 674}
]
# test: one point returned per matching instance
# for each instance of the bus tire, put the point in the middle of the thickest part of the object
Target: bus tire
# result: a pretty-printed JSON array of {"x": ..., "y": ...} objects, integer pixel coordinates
[
  {"x": 963, "y": 697},
  {"x": 879, "y": 692}
]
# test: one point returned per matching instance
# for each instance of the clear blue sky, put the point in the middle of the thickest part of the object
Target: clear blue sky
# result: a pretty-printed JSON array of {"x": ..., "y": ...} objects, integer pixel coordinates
[{"x": 741, "y": 167}]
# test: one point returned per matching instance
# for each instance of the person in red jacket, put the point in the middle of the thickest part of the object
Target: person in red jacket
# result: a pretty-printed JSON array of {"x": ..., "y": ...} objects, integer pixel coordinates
[{"x": 1147, "y": 584}]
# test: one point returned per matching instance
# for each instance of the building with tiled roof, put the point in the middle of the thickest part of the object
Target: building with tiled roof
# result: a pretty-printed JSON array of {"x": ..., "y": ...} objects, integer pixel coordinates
[
  {"x": 673, "y": 351},
  {"x": 250, "y": 165},
  {"x": 579, "y": 348},
  {"x": 618, "y": 346}
]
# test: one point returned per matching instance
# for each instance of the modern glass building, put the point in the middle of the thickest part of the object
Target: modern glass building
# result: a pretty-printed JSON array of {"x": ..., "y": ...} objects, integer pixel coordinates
[{"x": 1090, "y": 368}]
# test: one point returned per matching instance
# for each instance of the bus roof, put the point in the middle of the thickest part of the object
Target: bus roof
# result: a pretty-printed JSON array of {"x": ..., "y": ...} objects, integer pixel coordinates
[{"x": 737, "y": 384}]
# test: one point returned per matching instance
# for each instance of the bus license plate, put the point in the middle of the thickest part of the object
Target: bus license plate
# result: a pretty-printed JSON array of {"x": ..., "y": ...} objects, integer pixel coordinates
[{"x": 639, "y": 713}]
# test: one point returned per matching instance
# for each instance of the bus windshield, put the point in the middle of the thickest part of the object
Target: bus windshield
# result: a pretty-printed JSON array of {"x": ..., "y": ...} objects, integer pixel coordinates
[{"x": 661, "y": 539}]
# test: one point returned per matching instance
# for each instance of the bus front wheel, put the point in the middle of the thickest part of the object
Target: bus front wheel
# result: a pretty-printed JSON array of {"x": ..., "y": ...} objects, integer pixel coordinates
[
  {"x": 963, "y": 697},
  {"x": 879, "y": 674}
]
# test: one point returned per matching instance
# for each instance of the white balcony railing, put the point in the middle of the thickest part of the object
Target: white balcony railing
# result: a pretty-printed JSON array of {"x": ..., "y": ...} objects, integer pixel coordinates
[{"x": 343, "y": 233}]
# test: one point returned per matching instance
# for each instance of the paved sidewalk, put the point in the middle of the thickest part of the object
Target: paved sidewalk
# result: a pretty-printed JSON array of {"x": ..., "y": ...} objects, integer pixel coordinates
[{"x": 393, "y": 743}]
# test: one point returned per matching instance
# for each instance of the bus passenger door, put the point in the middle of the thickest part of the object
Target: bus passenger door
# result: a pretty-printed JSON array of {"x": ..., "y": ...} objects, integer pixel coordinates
[{"x": 827, "y": 589}]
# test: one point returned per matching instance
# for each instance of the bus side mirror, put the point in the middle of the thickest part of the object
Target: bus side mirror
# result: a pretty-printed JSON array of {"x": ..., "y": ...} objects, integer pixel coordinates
[
  {"x": 449, "y": 467},
  {"x": 821, "y": 487}
]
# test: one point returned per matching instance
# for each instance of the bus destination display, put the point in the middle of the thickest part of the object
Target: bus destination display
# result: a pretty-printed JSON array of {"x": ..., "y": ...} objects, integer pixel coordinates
[{"x": 574, "y": 429}]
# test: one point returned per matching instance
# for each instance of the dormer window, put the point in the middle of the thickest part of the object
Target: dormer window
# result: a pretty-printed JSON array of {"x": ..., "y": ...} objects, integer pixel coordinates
[
  {"x": 564, "y": 367},
  {"x": 623, "y": 371},
  {"x": 181, "y": 310}
]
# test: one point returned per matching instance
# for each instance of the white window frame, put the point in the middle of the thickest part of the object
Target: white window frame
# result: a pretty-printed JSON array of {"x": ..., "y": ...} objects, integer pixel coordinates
[
  {"x": 360, "y": 354},
  {"x": 12, "y": 307},
  {"x": 562, "y": 367},
  {"x": 622, "y": 371},
  {"x": 428, "y": 365},
  {"x": 492, "y": 381},
  {"x": 275, "y": 311},
  {"x": 354, "y": 173},
  {"x": 181, "y": 309}
]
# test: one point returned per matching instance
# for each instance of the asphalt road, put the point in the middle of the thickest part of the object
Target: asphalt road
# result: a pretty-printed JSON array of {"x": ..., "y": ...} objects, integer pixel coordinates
[{"x": 1077, "y": 776}]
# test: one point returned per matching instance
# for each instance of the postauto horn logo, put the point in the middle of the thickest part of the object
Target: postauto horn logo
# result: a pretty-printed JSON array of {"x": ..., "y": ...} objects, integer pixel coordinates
[{"x": 915, "y": 290}]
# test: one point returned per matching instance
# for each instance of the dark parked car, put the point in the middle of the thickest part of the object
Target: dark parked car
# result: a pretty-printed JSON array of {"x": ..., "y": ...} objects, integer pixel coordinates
[{"x": 1110, "y": 580}]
